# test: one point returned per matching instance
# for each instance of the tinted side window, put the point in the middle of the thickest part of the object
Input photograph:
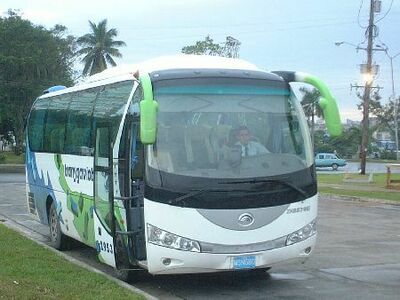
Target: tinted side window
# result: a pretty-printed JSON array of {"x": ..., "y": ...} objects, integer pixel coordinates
[
  {"x": 55, "y": 124},
  {"x": 138, "y": 95},
  {"x": 79, "y": 123},
  {"x": 110, "y": 105},
  {"x": 36, "y": 124}
]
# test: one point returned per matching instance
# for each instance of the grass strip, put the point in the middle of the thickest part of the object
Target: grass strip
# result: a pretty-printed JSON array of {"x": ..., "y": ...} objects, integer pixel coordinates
[
  {"x": 29, "y": 271},
  {"x": 11, "y": 158},
  {"x": 358, "y": 189},
  {"x": 379, "y": 179}
]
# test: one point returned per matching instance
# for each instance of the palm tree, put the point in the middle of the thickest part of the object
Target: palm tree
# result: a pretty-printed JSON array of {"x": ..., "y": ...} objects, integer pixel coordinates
[
  {"x": 310, "y": 98},
  {"x": 99, "y": 48}
]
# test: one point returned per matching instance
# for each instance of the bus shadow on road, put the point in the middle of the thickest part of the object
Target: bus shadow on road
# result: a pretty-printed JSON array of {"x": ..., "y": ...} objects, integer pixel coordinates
[{"x": 236, "y": 285}]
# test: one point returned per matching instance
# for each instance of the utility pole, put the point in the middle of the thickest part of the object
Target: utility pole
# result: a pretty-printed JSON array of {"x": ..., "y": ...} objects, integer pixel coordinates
[
  {"x": 367, "y": 91},
  {"x": 369, "y": 70}
]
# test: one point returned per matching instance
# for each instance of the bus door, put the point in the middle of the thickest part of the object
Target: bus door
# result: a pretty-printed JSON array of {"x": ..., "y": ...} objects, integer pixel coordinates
[
  {"x": 104, "y": 223},
  {"x": 130, "y": 240}
]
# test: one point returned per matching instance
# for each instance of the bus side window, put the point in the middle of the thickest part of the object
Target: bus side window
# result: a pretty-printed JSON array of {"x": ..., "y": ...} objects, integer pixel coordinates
[
  {"x": 55, "y": 124},
  {"x": 110, "y": 103},
  {"x": 103, "y": 144},
  {"x": 79, "y": 123},
  {"x": 36, "y": 124}
]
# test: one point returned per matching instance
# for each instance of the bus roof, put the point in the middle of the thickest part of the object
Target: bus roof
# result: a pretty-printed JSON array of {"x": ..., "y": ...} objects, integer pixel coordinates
[{"x": 173, "y": 62}]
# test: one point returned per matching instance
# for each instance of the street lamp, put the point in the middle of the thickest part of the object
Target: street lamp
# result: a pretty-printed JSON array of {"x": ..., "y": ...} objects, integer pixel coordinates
[{"x": 368, "y": 77}]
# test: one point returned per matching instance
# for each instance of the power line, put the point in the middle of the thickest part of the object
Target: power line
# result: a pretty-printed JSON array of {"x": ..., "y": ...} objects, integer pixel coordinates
[
  {"x": 358, "y": 15},
  {"x": 261, "y": 31},
  {"x": 255, "y": 24}
]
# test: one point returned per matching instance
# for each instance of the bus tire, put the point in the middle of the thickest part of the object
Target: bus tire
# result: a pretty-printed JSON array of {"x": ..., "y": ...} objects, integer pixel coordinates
[
  {"x": 124, "y": 275},
  {"x": 122, "y": 272},
  {"x": 57, "y": 239}
]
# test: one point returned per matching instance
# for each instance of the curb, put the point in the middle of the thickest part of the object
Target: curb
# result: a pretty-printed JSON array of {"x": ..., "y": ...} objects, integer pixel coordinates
[
  {"x": 12, "y": 168},
  {"x": 26, "y": 233}
]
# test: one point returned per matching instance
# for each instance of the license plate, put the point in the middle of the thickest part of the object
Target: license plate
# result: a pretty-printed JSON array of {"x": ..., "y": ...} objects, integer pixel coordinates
[{"x": 244, "y": 262}]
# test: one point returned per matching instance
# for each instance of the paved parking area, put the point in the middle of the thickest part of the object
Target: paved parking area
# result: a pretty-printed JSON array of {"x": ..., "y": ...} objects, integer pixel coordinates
[{"x": 357, "y": 256}]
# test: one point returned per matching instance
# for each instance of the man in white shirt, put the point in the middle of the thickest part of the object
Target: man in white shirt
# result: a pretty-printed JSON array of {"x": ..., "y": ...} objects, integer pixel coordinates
[{"x": 249, "y": 148}]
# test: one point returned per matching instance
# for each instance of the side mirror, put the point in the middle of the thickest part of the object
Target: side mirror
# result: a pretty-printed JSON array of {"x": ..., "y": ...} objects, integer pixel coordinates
[
  {"x": 331, "y": 116},
  {"x": 327, "y": 102},
  {"x": 148, "y": 112}
]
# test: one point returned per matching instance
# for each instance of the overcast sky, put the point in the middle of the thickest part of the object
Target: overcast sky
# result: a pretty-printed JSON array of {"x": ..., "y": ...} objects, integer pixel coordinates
[{"x": 275, "y": 34}]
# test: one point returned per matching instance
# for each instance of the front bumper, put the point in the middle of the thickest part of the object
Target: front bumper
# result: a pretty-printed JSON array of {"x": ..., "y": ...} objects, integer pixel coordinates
[{"x": 161, "y": 260}]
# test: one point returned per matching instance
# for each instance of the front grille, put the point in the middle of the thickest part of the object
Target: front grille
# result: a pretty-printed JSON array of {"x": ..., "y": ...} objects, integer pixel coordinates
[{"x": 246, "y": 248}]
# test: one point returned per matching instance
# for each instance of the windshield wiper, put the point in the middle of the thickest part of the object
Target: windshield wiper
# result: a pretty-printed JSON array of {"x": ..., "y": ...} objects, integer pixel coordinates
[
  {"x": 280, "y": 181},
  {"x": 199, "y": 192},
  {"x": 188, "y": 195}
]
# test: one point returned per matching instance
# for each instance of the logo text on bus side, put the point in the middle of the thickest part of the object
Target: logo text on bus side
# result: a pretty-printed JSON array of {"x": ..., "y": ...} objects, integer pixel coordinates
[{"x": 78, "y": 174}]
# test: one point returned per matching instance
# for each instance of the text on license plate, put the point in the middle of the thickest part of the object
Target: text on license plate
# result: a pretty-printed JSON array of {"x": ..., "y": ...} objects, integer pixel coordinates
[{"x": 244, "y": 262}]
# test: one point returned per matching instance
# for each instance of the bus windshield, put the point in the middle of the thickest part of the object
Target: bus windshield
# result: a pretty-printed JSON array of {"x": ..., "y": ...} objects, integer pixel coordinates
[{"x": 228, "y": 128}]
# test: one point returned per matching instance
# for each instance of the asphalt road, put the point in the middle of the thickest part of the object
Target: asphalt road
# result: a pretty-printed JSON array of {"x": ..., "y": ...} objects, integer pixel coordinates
[{"x": 357, "y": 256}]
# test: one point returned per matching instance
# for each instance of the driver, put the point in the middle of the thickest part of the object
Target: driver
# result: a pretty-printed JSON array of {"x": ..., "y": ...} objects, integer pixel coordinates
[{"x": 249, "y": 148}]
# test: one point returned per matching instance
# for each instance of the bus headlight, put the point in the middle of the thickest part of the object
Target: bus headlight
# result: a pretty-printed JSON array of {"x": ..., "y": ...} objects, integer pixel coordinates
[
  {"x": 164, "y": 238},
  {"x": 304, "y": 233}
]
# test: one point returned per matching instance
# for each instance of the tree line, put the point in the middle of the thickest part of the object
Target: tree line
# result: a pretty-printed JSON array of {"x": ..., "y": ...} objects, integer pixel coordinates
[
  {"x": 33, "y": 58},
  {"x": 347, "y": 145}
]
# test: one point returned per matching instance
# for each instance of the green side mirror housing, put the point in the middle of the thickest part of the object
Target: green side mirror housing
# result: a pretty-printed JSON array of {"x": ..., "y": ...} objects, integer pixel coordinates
[
  {"x": 148, "y": 112},
  {"x": 327, "y": 102},
  {"x": 331, "y": 116}
]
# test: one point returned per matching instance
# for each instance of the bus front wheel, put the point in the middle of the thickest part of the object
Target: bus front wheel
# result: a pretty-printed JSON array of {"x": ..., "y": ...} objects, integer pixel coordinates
[
  {"x": 57, "y": 239},
  {"x": 124, "y": 270},
  {"x": 125, "y": 275}
]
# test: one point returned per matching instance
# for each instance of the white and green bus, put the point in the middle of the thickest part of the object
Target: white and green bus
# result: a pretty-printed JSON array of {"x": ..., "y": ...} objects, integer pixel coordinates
[{"x": 146, "y": 164}]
